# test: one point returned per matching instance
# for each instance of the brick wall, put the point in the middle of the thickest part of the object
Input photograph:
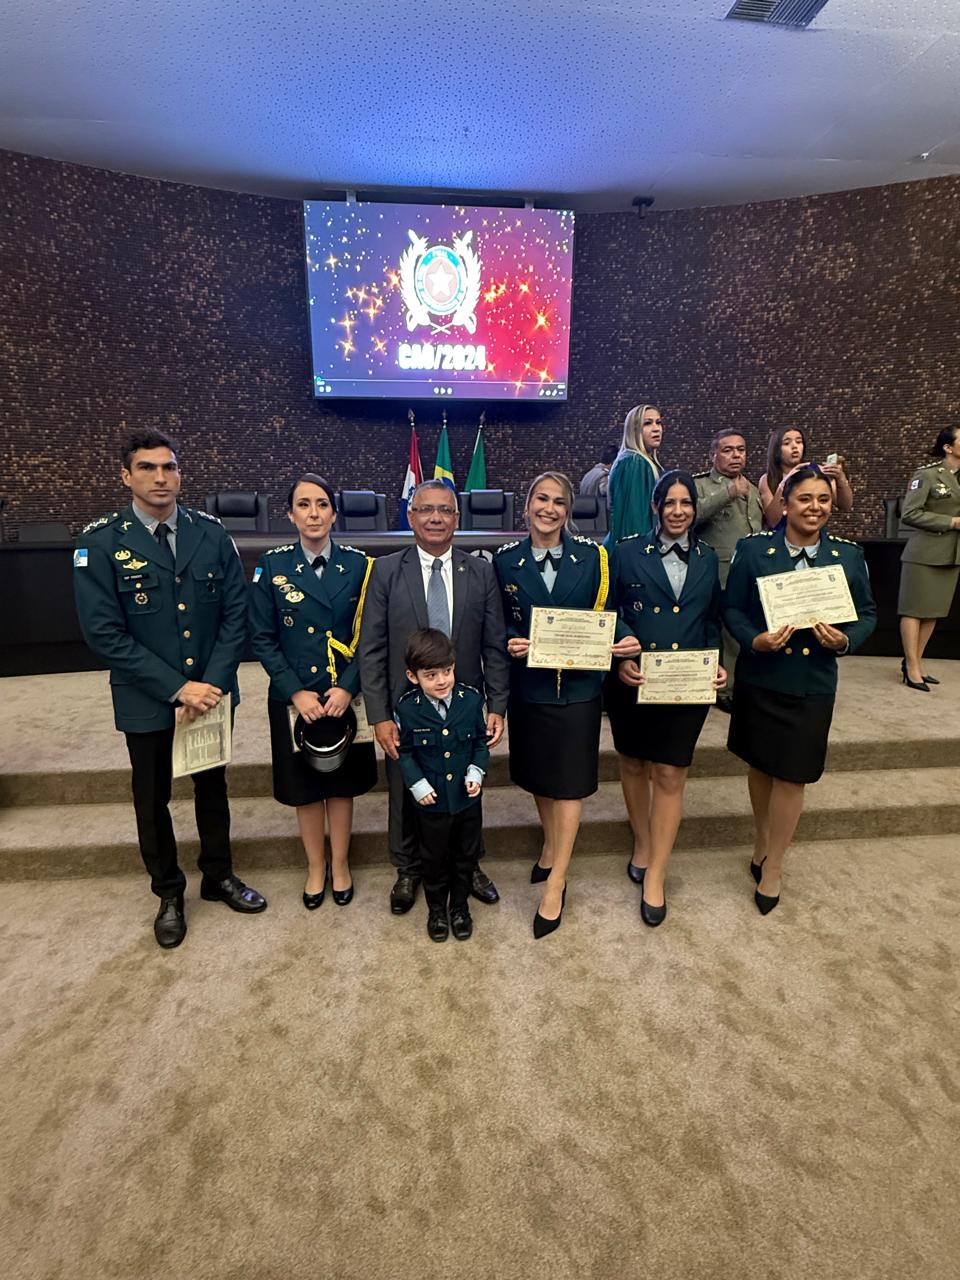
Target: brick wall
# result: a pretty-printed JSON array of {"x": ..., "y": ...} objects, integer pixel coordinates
[{"x": 125, "y": 301}]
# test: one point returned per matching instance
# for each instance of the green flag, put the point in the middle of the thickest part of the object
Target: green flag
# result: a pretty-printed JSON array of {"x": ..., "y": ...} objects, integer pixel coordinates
[
  {"x": 443, "y": 470},
  {"x": 477, "y": 475}
]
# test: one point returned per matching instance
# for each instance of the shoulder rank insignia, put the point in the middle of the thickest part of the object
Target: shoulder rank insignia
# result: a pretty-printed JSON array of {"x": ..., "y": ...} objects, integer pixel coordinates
[
  {"x": 927, "y": 465},
  {"x": 205, "y": 515},
  {"x": 506, "y": 546},
  {"x": 276, "y": 550},
  {"x": 850, "y": 543},
  {"x": 471, "y": 689},
  {"x": 356, "y": 550},
  {"x": 700, "y": 475},
  {"x": 98, "y": 524},
  {"x": 761, "y": 533},
  {"x": 579, "y": 537},
  {"x": 629, "y": 537}
]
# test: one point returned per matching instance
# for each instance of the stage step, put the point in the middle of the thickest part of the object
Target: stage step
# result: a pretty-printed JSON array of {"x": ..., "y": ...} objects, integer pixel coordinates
[{"x": 40, "y": 842}]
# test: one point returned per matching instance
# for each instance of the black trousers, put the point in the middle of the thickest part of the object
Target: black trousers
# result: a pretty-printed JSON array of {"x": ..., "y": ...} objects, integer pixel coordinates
[
  {"x": 151, "y": 759},
  {"x": 402, "y": 835},
  {"x": 449, "y": 850}
]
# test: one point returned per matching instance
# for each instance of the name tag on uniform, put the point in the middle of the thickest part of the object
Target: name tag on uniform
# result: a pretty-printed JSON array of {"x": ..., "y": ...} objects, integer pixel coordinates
[{"x": 80, "y": 558}]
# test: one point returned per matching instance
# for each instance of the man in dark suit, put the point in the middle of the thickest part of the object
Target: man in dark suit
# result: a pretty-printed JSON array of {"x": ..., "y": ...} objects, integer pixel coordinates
[
  {"x": 162, "y": 600},
  {"x": 430, "y": 584}
]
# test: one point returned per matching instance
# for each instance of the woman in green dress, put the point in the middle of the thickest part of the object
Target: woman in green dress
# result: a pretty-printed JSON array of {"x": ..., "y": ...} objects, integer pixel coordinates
[{"x": 634, "y": 474}]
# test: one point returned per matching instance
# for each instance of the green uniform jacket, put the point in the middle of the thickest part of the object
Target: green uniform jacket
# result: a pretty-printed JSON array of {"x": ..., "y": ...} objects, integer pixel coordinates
[
  {"x": 931, "y": 502},
  {"x": 441, "y": 750},
  {"x": 647, "y": 608},
  {"x": 577, "y": 586},
  {"x": 155, "y": 626},
  {"x": 293, "y": 615},
  {"x": 804, "y": 666},
  {"x": 721, "y": 520},
  {"x": 630, "y": 487}
]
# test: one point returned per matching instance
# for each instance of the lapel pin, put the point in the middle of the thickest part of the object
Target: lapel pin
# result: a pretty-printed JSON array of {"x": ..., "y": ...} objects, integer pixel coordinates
[
  {"x": 125, "y": 526},
  {"x": 771, "y": 551},
  {"x": 520, "y": 562},
  {"x": 573, "y": 557},
  {"x": 298, "y": 568},
  {"x": 648, "y": 548},
  {"x": 341, "y": 569}
]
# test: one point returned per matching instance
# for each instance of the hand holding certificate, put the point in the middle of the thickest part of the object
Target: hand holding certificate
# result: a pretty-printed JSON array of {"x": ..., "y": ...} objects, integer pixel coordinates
[
  {"x": 203, "y": 743},
  {"x": 571, "y": 639},
  {"x": 683, "y": 677},
  {"x": 801, "y": 599}
]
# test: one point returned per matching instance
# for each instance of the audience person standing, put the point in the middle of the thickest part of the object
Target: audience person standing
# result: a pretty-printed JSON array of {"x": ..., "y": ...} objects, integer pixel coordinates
[
  {"x": 931, "y": 558},
  {"x": 667, "y": 594},
  {"x": 429, "y": 584},
  {"x": 634, "y": 473},
  {"x": 306, "y": 604},
  {"x": 787, "y": 449},
  {"x": 595, "y": 480},
  {"x": 728, "y": 509},
  {"x": 787, "y": 679},
  {"x": 162, "y": 601},
  {"x": 554, "y": 716}
]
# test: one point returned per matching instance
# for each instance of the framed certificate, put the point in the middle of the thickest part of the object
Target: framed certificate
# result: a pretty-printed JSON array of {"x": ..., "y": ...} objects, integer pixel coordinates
[
  {"x": 571, "y": 639},
  {"x": 684, "y": 676},
  {"x": 799, "y": 598}
]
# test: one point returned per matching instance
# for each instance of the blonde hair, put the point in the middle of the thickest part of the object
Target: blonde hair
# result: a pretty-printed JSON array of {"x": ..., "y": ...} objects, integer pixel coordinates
[
  {"x": 565, "y": 484},
  {"x": 632, "y": 441}
]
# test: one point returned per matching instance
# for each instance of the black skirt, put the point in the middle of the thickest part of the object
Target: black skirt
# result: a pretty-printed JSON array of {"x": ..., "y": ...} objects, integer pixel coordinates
[
  {"x": 661, "y": 734},
  {"x": 295, "y": 782},
  {"x": 554, "y": 749},
  {"x": 781, "y": 734}
]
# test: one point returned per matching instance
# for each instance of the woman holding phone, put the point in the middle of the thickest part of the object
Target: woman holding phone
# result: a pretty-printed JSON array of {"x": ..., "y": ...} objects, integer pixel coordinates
[{"x": 787, "y": 449}]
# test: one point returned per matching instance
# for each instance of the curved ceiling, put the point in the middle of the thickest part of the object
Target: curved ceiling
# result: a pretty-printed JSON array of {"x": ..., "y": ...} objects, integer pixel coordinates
[{"x": 593, "y": 102}]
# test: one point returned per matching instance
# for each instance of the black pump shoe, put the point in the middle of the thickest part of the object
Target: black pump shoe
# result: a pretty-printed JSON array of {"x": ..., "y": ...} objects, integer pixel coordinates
[
  {"x": 653, "y": 916},
  {"x": 342, "y": 896},
  {"x": 636, "y": 874},
  {"x": 539, "y": 874},
  {"x": 312, "y": 900},
  {"x": 764, "y": 903},
  {"x": 756, "y": 869},
  {"x": 913, "y": 685},
  {"x": 542, "y": 927}
]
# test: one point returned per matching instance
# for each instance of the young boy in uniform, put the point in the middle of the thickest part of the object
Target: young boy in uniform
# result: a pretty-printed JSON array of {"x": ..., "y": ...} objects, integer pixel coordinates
[{"x": 443, "y": 758}]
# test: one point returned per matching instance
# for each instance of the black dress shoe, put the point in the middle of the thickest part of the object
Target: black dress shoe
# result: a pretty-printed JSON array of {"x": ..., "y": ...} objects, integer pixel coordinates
[
  {"x": 539, "y": 874},
  {"x": 765, "y": 904},
  {"x": 342, "y": 896},
  {"x": 636, "y": 874},
  {"x": 461, "y": 924},
  {"x": 234, "y": 893},
  {"x": 404, "y": 893},
  {"x": 652, "y": 916},
  {"x": 482, "y": 887},
  {"x": 312, "y": 900},
  {"x": 542, "y": 927},
  {"x": 724, "y": 703},
  {"x": 924, "y": 678},
  {"x": 170, "y": 925},
  {"x": 437, "y": 927},
  {"x": 756, "y": 869}
]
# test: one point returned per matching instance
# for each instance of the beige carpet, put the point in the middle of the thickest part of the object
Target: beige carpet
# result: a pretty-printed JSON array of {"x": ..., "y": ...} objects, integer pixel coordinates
[{"x": 332, "y": 1095}]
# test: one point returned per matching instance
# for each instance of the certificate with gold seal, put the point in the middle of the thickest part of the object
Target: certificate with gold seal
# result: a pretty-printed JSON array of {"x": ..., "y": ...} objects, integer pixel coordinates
[
  {"x": 799, "y": 598},
  {"x": 571, "y": 639},
  {"x": 681, "y": 677}
]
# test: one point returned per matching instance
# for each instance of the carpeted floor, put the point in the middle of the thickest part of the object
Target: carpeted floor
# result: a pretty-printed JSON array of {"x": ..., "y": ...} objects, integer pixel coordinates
[{"x": 332, "y": 1095}]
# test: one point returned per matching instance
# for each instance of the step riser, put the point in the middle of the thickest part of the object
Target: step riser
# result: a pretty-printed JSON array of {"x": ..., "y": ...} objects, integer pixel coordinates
[
  {"x": 112, "y": 786},
  {"x": 522, "y": 841}
]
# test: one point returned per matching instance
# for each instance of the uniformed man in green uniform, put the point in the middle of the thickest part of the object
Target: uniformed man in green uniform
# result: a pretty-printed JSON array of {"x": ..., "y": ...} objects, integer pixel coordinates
[
  {"x": 162, "y": 601},
  {"x": 728, "y": 509}
]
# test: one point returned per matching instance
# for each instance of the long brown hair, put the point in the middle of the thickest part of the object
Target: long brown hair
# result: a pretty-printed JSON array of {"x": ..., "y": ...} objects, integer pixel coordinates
[{"x": 774, "y": 463}]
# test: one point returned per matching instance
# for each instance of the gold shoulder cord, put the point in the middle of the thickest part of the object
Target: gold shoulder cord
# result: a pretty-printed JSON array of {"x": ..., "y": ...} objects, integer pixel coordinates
[
  {"x": 602, "y": 592},
  {"x": 335, "y": 646}
]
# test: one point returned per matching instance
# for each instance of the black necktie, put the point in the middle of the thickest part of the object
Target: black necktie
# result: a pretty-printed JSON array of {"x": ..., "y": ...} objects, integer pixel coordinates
[
  {"x": 802, "y": 555},
  {"x": 682, "y": 552},
  {"x": 547, "y": 559},
  {"x": 162, "y": 533},
  {"x": 319, "y": 565}
]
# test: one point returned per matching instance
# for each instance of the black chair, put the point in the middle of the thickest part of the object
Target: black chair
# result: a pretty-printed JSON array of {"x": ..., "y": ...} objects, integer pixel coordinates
[
  {"x": 32, "y": 531},
  {"x": 241, "y": 512},
  {"x": 892, "y": 528},
  {"x": 486, "y": 509},
  {"x": 589, "y": 513},
  {"x": 361, "y": 511}
]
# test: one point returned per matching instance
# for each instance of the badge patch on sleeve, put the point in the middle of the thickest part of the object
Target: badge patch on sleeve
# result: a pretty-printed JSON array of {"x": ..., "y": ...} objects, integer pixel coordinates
[
  {"x": 915, "y": 484},
  {"x": 80, "y": 558},
  {"x": 257, "y": 572}
]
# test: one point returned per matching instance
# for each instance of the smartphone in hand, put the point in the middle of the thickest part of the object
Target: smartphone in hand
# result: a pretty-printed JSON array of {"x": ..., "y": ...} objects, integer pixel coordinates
[{"x": 832, "y": 459}]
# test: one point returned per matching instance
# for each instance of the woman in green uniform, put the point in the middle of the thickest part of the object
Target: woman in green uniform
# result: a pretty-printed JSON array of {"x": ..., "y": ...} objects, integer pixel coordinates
[
  {"x": 931, "y": 558},
  {"x": 634, "y": 474}
]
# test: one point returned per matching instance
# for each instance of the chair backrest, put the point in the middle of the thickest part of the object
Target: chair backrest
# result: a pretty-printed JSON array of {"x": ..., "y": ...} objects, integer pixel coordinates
[
  {"x": 486, "y": 509},
  {"x": 361, "y": 509},
  {"x": 44, "y": 531},
  {"x": 243, "y": 510},
  {"x": 892, "y": 528},
  {"x": 589, "y": 513}
]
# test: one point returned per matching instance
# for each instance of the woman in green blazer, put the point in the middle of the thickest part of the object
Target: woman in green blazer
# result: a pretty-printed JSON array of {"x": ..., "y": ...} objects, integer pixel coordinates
[
  {"x": 634, "y": 474},
  {"x": 931, "y": 558}
]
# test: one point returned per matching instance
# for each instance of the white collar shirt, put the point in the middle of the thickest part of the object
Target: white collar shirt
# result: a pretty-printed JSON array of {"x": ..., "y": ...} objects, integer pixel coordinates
[{"x": 446, "y": 572}]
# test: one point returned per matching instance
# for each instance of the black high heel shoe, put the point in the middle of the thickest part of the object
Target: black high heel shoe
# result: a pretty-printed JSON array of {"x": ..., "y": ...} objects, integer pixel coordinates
[
  {"x": 913, "y": 685},
  {"x": 342, "y": 896},
  {"x": 764, "y": 903},
  {"x": 636, "y": 874},
  {"x": 652, "y": 916},
  {"x": 539, "y": 874},
  {"x": 756, "y": 868},
  {"x": 542, "y": 927}
]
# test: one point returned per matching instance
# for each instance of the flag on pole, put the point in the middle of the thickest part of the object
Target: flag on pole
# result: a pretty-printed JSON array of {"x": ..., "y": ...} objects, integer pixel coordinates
[
  {"x": 414, "y": 474},
  {"x": 444, "y": 465},
  {"x": 477, "y": 475}
]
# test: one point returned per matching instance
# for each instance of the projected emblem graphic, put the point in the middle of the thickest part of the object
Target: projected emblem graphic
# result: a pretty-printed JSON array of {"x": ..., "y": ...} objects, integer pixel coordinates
[{"x": 440, "y": 280}]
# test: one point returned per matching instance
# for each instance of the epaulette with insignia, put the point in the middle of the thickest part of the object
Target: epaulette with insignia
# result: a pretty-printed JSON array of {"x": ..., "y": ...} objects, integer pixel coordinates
[
  {"x": 205, "y": 515},
  {"x": 628, "y": 537},
  {"x": 506, "y": 546},
  {"x": 356, "y": 550},
  {"x": 849, "y": 541},
  {"x": 700, "y": 475},
  {"x": 761, "y": 533},
  {"x": 472, "y": 689},
  {"x": 287, "y": 546},
  {"x": 925, "y": 466},
  {"x": 98, "y": 524},
  {"x": 411, "y": 693}
]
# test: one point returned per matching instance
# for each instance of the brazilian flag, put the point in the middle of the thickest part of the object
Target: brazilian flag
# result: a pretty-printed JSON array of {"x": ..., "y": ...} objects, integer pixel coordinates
[{"x": 443, "y": 469}]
